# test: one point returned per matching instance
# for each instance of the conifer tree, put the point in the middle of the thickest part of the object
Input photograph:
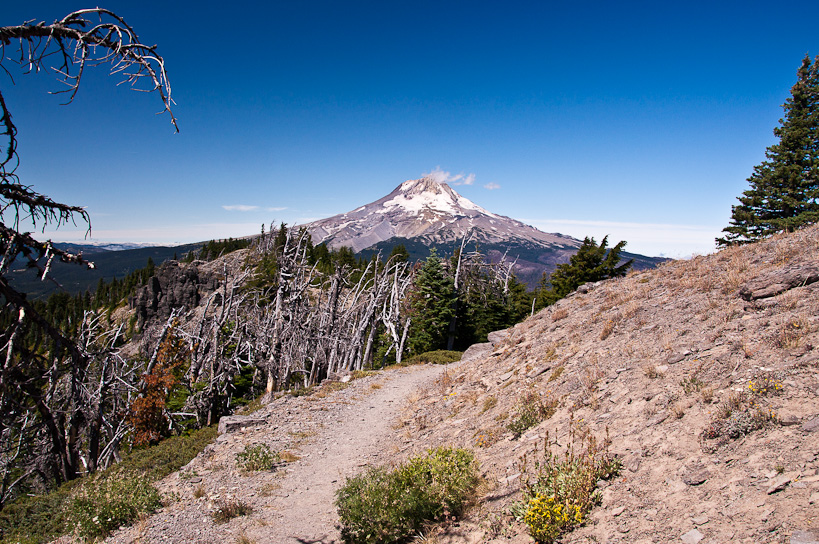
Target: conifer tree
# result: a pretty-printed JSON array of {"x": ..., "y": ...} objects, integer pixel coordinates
[
  {"x": 590, "y": 263},
  {"x": 784, "y": 193},
  {"x": 431, "y": 306}
]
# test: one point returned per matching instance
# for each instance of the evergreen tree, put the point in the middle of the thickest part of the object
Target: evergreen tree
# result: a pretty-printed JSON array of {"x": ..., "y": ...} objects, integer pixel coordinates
[
  {"x": 399, "y": 254},
  {"x": 784, "y": 193},
  {"x": 590, "y": 263},
  {"x": 431, "y": 306}
]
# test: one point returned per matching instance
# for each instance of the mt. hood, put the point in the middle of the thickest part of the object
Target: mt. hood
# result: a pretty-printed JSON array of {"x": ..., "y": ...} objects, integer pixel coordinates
[
  {"x": 432, "y": 212},
  {"x": 424, "y": 213}
]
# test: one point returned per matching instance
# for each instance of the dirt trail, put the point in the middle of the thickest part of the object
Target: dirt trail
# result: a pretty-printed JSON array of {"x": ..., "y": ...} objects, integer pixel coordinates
[{"x": 335, "y": 435}]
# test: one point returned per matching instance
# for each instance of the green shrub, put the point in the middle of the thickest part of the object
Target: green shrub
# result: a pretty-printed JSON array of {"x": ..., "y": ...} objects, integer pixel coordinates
[
  {"x": 256, "y": 457},
  {"x": 530, "y": 410},
  {"x": 438, "y": 357},
  {"x": 42, "y": 518},
  {"x": 560, "y": 491},
  {"x": 111, "y": 503},
  {"x": 381, "y": 506}
]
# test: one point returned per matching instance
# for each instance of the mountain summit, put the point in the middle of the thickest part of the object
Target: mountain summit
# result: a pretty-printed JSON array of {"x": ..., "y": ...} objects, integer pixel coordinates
[
  {"x": 424, "y": 213},
  {"x": 433, "y": 213}
]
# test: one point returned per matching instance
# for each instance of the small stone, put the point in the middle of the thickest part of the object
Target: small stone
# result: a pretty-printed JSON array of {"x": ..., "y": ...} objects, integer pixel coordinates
[
  {"x": 195, "y": 480},
  {"x": 634, "y": 464},
  {"x": 675, "y": 359},
  {"x": 811, "y": 426},
  {"x": 788, "y": 420},
  {"x": 778, "y": 484},
  {"x": 804, "y": 537},
  {"x": 617, "y": 511},
  {"x": 814, "y": 499},
  {"x": 692, "y": 537},
  {"x": 656, "y": 420},
  {"x": 695, "y": 478},
  {"x": 506, "y": 376},
  {"x": 700, "y": 520}
]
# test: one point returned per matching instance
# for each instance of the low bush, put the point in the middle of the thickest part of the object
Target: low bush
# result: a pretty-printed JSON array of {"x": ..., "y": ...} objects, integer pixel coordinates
[
  {"x": 739, "y": 415},
  {"x": 100, "y": 508},
  {"x": 530, "y": 410},
  {"x": 42, "y": 518},
  {"x": 560, "y": 491},
  {"x": 381, "y": 506},
  {"x": 438, "y": 357},
  {"x": 256, "y": 457}
]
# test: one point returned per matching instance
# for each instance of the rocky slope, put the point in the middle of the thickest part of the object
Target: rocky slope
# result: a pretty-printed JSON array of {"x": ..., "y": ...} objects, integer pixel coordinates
[
  {"x": 654, "y": 361},
  {"x": 702, "y": 375}
]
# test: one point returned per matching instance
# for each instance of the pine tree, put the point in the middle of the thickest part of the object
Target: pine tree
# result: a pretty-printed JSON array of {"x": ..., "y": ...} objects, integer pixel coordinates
[
  {"x": 590, "y": 263},
  {"x": 784, "y": 193},
  {"x": 431, "y": 306}
]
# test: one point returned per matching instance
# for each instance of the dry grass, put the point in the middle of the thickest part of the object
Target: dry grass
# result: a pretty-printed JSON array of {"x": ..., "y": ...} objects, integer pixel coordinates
[
  {"x": 288, "y": 457},
  {"x": 198, "y": 491},
  {"x": 244, "y": 539},
  {"x": 652, "y": 372},
  {"x": 560, "y": 313},
  {"x": 229, "y": 509},
  {"x": 607, "y": 329},
  {"x": 488, "y": 403},
  {"x": 792, "y": 332}
]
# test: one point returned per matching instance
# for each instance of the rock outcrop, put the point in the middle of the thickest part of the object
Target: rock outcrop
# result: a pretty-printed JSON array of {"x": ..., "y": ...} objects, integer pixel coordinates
[{"x": 174, "y": 285}]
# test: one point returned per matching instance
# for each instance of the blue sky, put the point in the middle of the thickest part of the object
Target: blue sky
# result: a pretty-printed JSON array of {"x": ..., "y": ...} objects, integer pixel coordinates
[{"x": 641, "y": 120}]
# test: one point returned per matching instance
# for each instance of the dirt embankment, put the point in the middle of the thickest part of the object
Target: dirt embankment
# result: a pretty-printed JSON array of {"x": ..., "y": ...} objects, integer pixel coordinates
[{"x": 656, "y": 361}]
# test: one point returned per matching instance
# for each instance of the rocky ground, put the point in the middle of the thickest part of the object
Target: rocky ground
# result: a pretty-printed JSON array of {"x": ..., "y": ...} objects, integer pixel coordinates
[{"x": 702, "y": 375}]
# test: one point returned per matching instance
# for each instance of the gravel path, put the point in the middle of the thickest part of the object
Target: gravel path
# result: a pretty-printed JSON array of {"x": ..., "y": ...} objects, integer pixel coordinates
[{"x": 335, "y": 435}]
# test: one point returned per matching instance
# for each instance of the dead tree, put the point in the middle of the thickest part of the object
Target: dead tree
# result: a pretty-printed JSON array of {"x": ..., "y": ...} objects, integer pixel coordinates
[{"x": 48, "y": 389}]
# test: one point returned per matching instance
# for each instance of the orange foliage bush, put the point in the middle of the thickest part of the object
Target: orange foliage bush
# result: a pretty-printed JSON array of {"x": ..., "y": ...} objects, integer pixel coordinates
[{"x": 147, "y": 413}]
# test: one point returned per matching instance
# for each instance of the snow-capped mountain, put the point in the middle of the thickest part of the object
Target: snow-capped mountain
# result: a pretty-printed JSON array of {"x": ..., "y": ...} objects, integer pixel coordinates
[
  {"x": 432, "y": 212},
  {"x": 425, "y": 213}
]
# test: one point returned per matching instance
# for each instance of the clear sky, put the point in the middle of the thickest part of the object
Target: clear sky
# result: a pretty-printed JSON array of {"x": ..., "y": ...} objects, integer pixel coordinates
[{"x": 641, "y": 120}]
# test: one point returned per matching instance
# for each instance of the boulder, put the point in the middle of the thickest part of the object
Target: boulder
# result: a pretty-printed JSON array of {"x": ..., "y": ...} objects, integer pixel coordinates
[
  {"x": 779, "y": 281},
  {"x": 231, "y": 424},
  {"x": 477, "y": 351}
]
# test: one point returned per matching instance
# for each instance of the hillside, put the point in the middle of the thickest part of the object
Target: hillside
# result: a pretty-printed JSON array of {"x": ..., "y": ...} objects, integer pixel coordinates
[
  {"x": 108, "y": 264},
  {"x": 709, "y": 399}
]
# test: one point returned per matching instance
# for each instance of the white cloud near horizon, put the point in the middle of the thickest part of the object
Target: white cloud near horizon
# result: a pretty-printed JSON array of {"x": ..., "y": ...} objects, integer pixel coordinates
[
  {"x": 491, "y": 186},
  {"x": 442, "y": 176},
  {"x": 247, "y": 208},
  {"x": 165, "y": 235},
  {"x": 652, "y": 239}
]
